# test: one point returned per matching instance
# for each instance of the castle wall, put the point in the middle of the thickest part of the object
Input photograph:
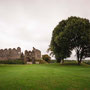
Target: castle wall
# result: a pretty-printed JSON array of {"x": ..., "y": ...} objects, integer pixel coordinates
[
  {"x": 32, "y": 56},
  {"x": 36, "y": 54},
  {"x": 10, "y": 54},
  {"x": 16, "y": 54}
]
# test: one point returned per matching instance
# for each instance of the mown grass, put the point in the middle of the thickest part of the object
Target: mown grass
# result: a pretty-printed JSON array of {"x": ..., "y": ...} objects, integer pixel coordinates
[{"x": 44, "y": 77}]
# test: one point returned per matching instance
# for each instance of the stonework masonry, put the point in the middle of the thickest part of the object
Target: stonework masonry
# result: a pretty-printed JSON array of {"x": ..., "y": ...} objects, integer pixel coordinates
[
  {"x": 32, "y": 56},
  {"x": 10, "y": 54},
  {"x": 16, "y": 54}
]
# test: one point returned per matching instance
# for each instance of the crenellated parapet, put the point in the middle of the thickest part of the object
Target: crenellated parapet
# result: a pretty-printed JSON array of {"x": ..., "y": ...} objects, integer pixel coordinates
[
  {"x": 16, "y": 54},
  {"x": 10, "y": 54}
]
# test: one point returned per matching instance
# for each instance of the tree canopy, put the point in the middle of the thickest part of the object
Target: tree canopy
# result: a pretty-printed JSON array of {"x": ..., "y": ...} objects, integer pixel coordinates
[{"x": 69, "y": 34}]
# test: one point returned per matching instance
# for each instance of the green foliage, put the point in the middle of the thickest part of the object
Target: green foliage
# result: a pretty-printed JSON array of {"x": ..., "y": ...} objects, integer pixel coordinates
[
  {"x": 53, "y": 61},
  {"x": 69, "y": 34},
  {"x": 46, "y": 57},
  {"x": 87, "y": 61},
  {"x": 43, "y": 62},
  {"x": 12, "y": 62},
  {"x": 70, "y": 61}
]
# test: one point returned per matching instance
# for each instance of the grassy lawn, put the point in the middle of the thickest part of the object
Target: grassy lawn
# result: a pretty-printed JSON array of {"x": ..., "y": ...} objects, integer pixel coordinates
[{"x": 44, "y": 77}]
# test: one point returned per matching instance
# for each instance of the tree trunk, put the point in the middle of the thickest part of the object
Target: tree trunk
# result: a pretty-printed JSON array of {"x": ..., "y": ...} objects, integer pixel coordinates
[
  {"x": 77, "y": 53},
  {"x": 79, "y": 62},
  {"x": 80, "y": 55},
  {"x": 62, "y": 61}
]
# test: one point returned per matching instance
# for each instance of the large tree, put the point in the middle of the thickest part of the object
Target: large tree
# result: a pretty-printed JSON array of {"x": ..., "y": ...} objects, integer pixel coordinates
[{"x": 69, "y": 34}]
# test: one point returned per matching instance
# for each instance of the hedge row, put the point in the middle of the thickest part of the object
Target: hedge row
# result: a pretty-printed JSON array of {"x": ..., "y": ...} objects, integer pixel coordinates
[
  {"x": 86, "y": 61},
  {"x": 12, "y": 62}
]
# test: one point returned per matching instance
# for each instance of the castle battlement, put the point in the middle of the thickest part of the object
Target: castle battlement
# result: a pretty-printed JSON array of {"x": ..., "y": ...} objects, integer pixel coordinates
[
  {"x": 10, "y": 54},
  {"x": 16, "y": 54}
]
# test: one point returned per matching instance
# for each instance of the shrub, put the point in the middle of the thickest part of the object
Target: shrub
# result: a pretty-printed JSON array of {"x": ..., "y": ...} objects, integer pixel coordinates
[
  {"x": 12, "y": 62},
  {"x": 46, "y": 57},
  {"x": 53, "y": 61},
  {"x": 86, "y": 61},
  {"x": 42, "y": 62}
]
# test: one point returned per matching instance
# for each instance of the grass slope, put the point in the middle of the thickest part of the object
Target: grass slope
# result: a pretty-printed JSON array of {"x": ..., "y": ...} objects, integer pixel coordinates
[{"x": 44, "y": 77}]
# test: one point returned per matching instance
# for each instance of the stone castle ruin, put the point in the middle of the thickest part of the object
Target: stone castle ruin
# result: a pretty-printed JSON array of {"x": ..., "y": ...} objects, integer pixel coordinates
[
  {"x": 10, "y": 54},
  {"x": 32, "y": 56},
  {"x": 16, "y": 54}
]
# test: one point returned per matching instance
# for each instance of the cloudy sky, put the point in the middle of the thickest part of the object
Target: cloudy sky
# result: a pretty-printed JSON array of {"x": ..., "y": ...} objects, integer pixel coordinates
[{"x": 29, "y": 23}]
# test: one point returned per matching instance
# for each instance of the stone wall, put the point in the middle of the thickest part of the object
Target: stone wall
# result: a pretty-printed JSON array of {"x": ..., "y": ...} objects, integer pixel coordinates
[
  {"x": 32, "y": 56},
  {"x": 36, "y": 54},
  {"x": 10, "y": 54},
  {"x": 16, "y": 54}
]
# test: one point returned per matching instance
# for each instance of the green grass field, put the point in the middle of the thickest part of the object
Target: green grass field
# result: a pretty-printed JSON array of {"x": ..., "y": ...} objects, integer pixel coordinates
[{"x": 44, "y": 77}]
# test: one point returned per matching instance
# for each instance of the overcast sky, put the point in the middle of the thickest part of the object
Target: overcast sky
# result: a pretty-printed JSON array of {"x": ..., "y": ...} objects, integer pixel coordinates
[{"x": 29, "y": 23}]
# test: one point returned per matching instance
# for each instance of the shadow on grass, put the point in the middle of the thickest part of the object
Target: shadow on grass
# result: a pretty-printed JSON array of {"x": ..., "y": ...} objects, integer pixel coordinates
[
  {"x": 74, "y": 64},
  {"x": 70, "y": 64},
  {"x": 55, "y": 65}
]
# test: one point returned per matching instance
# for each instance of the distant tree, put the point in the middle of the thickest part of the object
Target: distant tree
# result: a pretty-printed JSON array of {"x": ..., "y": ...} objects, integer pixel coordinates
[
  {"x": 69, "y": 34},
  {"x": 46, "y": 57}
]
